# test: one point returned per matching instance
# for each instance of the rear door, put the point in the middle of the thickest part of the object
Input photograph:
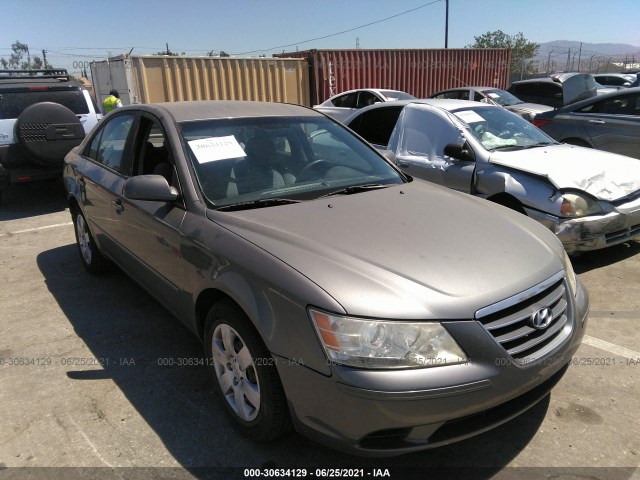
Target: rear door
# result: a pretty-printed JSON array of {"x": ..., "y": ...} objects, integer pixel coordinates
[
  {"x": 613, "y": 124},
  {"x": 102, "y": 175}
]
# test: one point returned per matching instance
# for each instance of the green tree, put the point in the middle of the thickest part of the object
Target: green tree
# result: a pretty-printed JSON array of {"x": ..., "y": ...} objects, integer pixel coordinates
[
  {"x": 522, "y": 50},
  {"x": 21, "y": 59}
]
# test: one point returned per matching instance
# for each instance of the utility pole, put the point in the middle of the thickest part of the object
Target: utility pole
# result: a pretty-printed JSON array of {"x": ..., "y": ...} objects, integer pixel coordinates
[
  {"x": 566, "y": 69},
  {"x": 579, "y": 56},
  {"x": 446, "y": 26},
  {"x": 44, "y": 57},
  {"x": 549, "y": 62},
  {"x": 590, "y": 61}
]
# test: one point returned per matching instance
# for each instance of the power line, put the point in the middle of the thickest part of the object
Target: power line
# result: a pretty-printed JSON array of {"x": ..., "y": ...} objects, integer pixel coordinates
[{"x": 342, "y": 32}]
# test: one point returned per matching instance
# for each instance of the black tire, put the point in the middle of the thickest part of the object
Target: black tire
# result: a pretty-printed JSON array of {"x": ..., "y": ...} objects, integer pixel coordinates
[
  {"x": 250, "y": 389},
  {"x": 48, "y": 131},
  {"x": 90, "y": 256}
]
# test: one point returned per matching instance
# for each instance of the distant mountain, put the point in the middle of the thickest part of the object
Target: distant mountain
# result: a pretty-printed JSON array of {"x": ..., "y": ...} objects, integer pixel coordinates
[{"x": 566, "y": 52}]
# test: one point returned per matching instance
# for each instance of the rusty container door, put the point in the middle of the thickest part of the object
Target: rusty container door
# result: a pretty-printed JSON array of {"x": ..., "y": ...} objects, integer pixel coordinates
[{"x": 419, "y": 72}]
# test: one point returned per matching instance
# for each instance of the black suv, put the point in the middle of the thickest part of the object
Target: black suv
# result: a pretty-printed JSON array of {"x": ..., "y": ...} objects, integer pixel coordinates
[{"x": 43, "y": 115}]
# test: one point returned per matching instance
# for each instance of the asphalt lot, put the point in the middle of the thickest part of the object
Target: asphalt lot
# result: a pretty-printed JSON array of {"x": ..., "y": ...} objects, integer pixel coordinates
[{"x": 82, "y": 380}]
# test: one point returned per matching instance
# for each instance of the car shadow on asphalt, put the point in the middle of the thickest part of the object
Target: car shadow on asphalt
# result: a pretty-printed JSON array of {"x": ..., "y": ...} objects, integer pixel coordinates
[
  {"x": 32, "y": 199},
  {"x": 607, "y": 256},
  {"x": 143, "y": 346}
]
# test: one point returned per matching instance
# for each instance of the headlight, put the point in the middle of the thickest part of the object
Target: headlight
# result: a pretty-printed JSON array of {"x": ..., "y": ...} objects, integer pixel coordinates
[
  {"x": 578, "y": 205},
  {"x": 385, "y": 344},
  {"x": 571, "y": 275}
]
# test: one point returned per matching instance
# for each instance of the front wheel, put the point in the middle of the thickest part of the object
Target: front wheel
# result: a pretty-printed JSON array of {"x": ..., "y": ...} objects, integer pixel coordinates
[
  {"x": 245, "y": 373},
  {"x": 91, "y": 257}
]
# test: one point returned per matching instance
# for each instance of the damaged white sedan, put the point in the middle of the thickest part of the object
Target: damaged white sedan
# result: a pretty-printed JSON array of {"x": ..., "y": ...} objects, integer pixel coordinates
[{"x": 589, "y": 198}]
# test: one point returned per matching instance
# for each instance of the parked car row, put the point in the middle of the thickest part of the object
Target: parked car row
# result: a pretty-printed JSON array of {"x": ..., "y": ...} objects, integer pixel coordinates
[
  {"x": 589, "y": 198},
  {"x": 375, "y": 313}
]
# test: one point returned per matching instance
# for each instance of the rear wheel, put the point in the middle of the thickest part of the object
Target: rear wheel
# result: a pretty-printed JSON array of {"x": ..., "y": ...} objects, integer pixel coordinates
[
  {"x": 91, "y": 257},
  {"x": 245, "y": 374}
]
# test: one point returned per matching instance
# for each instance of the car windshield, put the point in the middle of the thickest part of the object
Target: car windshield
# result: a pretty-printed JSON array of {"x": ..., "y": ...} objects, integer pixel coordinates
[
  {"x": 499, "y": 129},
  {"x": 502, "y": 97},
  {"x": 391, "y": 95},
  {"x": 265, "y": 161}
]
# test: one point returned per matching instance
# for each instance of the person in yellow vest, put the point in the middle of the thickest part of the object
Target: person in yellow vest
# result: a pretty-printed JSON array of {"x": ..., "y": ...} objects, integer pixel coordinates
[{"x": 112, "y": 101}]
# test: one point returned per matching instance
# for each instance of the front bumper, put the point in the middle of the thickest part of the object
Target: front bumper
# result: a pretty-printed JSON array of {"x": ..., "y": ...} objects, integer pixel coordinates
[
  {"x": 391, "y": 412},
  {"x": 595, "y": 231}
]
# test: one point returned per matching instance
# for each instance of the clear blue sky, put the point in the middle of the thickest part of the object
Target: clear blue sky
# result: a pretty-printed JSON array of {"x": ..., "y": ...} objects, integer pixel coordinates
[{"x": 73, "y": 30}]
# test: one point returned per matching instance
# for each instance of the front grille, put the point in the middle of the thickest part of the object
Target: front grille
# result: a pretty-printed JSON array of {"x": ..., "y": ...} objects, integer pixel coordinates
[
  {"x": 510, "y": 321},
  {"x": 34, "y": 132},
  {"x": 622, "y": 235}
]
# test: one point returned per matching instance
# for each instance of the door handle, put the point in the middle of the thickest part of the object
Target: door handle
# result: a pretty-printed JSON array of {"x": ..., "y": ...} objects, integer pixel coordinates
[
  {"x": 118, "y": 205},
  {"x": 597, "y": 122},
  {"x": 403, "y": 164}
]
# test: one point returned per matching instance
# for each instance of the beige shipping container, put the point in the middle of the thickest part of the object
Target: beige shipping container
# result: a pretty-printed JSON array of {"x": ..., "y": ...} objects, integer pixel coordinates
[{"x": 158, "y": 78}]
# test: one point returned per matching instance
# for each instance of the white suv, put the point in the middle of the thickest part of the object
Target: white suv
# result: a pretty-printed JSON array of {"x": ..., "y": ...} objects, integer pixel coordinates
[{"x": 43, "y": 115}]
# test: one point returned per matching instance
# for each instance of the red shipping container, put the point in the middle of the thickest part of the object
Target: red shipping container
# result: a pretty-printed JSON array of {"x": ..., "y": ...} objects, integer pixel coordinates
[{"x": 419, "y": 72}]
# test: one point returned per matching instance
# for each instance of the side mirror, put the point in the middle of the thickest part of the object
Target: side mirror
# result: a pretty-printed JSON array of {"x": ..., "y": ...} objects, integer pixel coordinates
[
  {"x": 457, "y": 151},
  {"x": 153, "y": 188}
]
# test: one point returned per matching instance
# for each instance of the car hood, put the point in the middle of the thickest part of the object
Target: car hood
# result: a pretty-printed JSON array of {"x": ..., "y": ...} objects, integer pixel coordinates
[
  {"x": 606, "y": 176},
  {"x": 404, "y": 252}
]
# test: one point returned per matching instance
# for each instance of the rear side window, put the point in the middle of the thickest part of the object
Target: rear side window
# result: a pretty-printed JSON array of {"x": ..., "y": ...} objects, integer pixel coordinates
[
  {"x": 622, "y": 105},
  {"x": 346, "y": 101},
  {"x": 545, "y": 89},
  {"x": 13, "y": 102},
  {"x": 107, "y": 147}
]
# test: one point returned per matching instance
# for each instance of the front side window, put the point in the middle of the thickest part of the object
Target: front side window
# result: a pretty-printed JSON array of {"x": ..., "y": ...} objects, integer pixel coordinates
[
  {"x": 292, "y": 158},
  {"x": 423, "y": 131},
  {"x": 367, "y": 98}
]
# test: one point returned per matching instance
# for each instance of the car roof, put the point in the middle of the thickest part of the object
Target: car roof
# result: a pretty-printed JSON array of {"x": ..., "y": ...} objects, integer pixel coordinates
[
  {"x": 475, "y": 87},
  {"x": 444, "y": 103},
  {"x": 613, "y": 74},
  {"x": 217, "y": 109},
  {"x": 377, "y": 90}
]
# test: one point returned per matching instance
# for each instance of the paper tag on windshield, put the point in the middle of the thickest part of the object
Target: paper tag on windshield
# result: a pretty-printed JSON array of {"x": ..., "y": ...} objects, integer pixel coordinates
[
  {"x": 469, "y": 116},
  {"x": 216, "y": 148}
]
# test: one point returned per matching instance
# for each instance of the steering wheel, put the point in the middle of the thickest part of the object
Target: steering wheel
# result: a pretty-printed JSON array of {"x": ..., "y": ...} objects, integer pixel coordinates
[{"x": 304, "y": 173}]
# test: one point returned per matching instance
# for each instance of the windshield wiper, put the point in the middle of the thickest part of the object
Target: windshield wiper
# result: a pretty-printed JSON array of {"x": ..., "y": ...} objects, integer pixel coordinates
[
  {"x": 539, "y": 144},
  {"x": 264, "y": 202},
  {"x": 522, "y": 147},
  {"x": 356, "y": 189}
]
